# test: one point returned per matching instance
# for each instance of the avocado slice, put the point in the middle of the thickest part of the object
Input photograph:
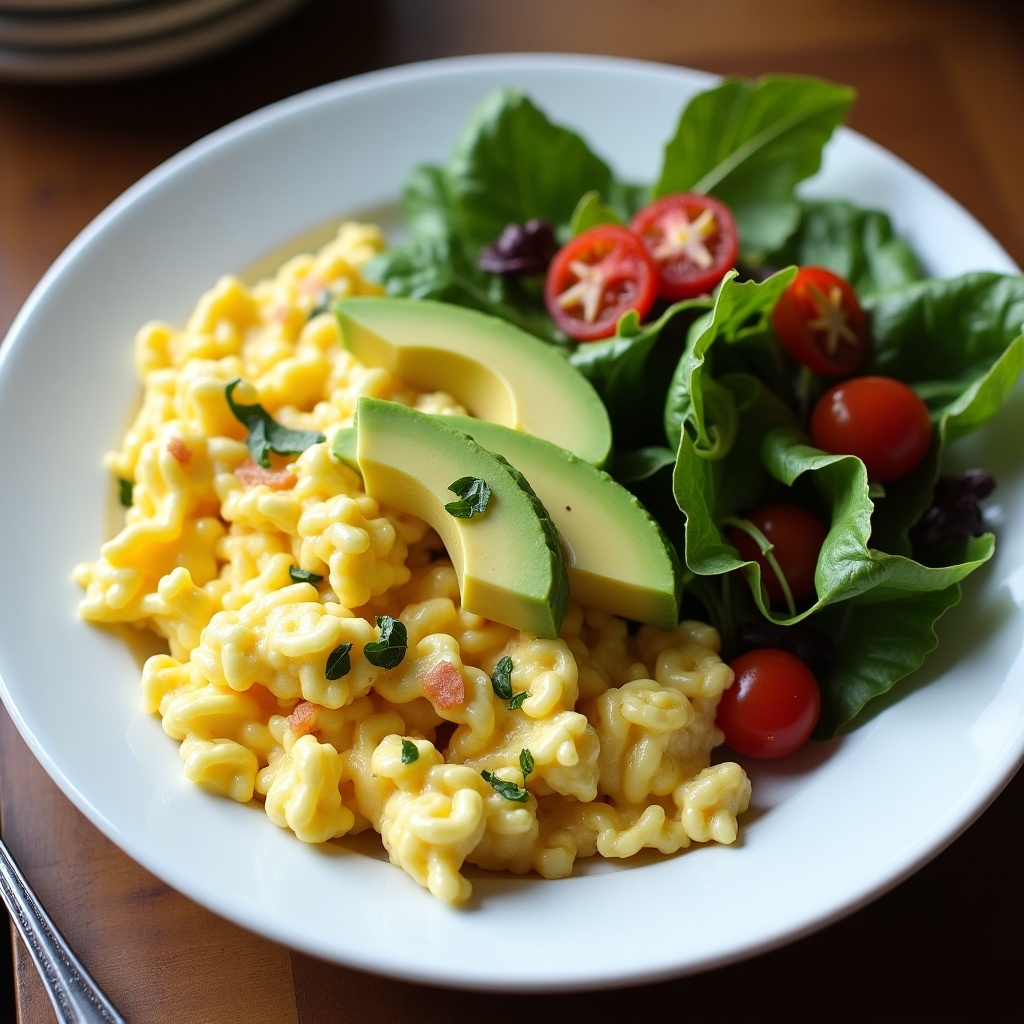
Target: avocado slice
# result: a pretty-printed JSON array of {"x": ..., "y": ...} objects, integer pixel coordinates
[
  {"x": 508, "y": 559},
  {"x": 497, "y": 371},
  {"x": 618, "y": 557}
]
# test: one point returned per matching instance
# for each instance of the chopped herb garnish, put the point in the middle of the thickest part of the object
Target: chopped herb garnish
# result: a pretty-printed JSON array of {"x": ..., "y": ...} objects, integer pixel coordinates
[
  {"x": 410, "y": 752},
  {"x": 124, "y": 492},
  {"x": 511, "y": 790},
  {"x": 515, "y": 702},
  {"x": 389, "y": 650},
  {"x": 501, "y": 683},
  {"x": 473, "y": 497},
  {"x": 322, "y": 304},
  {"x": 303, "y": 575},
  {"x": 339, "y": 662},
  {"x": 266, "y": 435}
]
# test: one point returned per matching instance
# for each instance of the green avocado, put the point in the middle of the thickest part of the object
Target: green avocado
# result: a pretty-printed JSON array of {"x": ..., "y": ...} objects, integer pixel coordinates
[
  {"x": 618, "y": 557},
  {"x": 508, "y": 557},
  {"x": 494, "y": 369}
]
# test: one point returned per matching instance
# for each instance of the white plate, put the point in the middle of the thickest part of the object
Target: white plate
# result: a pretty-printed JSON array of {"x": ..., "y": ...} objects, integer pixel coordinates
[
  {"x": 824, "y": 837},
  {"x": 225, "y": 25}
]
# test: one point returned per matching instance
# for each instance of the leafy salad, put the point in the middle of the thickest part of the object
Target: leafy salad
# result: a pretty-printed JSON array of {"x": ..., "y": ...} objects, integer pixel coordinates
[{"x": 711, "y": 411}]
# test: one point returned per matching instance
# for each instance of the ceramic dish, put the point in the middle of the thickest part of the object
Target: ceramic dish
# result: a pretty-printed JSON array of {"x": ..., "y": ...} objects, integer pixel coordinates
[{"x": 829, "y": 830}]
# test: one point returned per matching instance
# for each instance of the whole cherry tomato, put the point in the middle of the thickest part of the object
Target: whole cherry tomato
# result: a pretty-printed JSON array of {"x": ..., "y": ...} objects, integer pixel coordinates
[
  {"x": 796, "y": 536},
  {"x": 819, "y": 321},
  {"x": 602, "y": 273},
  {"x": 773, "y": 705},
  {"x": 692, "y": 239},
  {"x": 881, "y": 420}
]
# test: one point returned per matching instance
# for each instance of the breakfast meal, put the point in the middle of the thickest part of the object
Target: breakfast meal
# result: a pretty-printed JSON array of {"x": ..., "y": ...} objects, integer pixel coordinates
[{"x": 488, "y": 541}]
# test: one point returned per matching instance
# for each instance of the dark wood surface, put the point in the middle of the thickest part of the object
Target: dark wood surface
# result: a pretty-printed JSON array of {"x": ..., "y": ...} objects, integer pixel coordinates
[{"x": 940, "y": 83}]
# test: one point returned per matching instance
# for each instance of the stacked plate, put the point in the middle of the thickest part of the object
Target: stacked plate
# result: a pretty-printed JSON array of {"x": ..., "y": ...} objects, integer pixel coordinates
[{"x": 80, "y": 40}]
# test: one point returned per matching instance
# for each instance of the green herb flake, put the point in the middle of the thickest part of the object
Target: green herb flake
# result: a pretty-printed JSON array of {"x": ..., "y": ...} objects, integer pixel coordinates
[
  {"x": 501, "y": 683},
  {"x": 516, "y": 701},
  {"x": 303, "y": 575},
  {"x": 124, "y": 492},
  {"x": 389, "y": 650},
  {"x": 266, "y": 435},
  {"x": 410, "y": 752},
  {"x": 322, "y": 305},
  {"x": 339, "y": 661},
  {"x": 474, "y": 494},
  {"x": 511, "y": 790}
]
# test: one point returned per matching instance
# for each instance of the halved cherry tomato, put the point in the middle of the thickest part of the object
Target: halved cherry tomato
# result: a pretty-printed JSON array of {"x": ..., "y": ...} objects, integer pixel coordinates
[
  {"x": 881, "y": 420},
  {"x": 773, "y": 705},
  {"x": 597, "y": 277},
  {"x": 796, "y": 536},
  {"x": 820, "y": 323},
  {"x": 692, "y": 239}
]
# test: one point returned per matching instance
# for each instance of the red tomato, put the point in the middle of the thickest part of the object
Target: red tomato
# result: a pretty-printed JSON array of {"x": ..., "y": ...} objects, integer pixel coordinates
[
  {"x": 796, "y": 536},
  {"x": 692, "y": 239},
  {"x": 602, "y": 273},
  {"x": 773, "y": 705},
  {"x": 820, "y": 323},
  {"x": 881, "y": 420}
]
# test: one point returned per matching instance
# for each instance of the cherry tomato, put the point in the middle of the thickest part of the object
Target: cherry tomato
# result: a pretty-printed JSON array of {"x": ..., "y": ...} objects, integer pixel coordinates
[
  {"x": 602, "y": 273},
  {"x": 796, "y": 536},
  {"x": 881, "y": 420},
  {"x": 820, "y": 323},
  {"x": 692, "y": 239},
  {"x": 773, "y": 705}
]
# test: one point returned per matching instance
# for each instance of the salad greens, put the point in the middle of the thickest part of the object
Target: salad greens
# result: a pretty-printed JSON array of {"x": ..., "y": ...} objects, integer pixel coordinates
[{"x": 708, "y": 411}]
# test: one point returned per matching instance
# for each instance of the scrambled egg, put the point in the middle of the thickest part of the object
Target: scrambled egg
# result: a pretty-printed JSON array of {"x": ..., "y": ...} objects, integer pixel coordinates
[{"x": 263, "y": 578}]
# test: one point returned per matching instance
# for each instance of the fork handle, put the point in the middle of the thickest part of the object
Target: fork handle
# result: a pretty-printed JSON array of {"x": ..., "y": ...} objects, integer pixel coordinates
[{"x": 75, "y": 996}]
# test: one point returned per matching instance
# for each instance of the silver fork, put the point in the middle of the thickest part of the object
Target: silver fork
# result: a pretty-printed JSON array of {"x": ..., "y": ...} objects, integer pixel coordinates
[{"x": 75, "y": 996}]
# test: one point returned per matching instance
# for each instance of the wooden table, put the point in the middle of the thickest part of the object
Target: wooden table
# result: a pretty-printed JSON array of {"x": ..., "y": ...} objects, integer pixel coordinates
[{"x": 940, "y": 83}]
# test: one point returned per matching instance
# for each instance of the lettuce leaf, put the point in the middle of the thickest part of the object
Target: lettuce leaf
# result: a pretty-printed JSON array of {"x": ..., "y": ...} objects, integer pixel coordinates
[
  {"x": 750, "y": 143},
  {"x": 740, "y": 443}
]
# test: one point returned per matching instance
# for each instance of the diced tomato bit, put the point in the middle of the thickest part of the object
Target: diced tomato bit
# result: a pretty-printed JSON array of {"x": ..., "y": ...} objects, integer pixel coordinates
[
  {"x": 312, "y": 285},
  {"x": 250, "y": 473},
  {"x": 445, "y": 686},
  {"x": 180, "y": 450},
  {"x": 303, "y": 718}
]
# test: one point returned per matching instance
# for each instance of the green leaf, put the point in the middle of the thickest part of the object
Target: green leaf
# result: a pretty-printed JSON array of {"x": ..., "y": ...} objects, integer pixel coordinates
[
  {"x": 511, "y": 164},
  {"x": 501, "y": 683},
  {"x": 516, "y": 701},
  {"x": 303, "y": 575},
  {"x": 509, "y": 790},
  {"x": 410, "y": 752},
  {"x": 877, "y": 645},
  {"x": 474, "y": 495},
  {"x": 389, "y": 651},
  {"x": 959, "y": 342},
  {"x": 124, "y": 492},
  {"x": 266, "y": 435},
  {"x": 695, "y": 400},
  {"x": 440, "y": 268},
  {"x": 750, "y": 144},
  {"x": 631, "y": 371},
  {"x": 590, "y": 212},
  {"x": 339, "y": 661},
  {"x": 857, "y": 244},
  {"x": 501, "y": 678}
]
